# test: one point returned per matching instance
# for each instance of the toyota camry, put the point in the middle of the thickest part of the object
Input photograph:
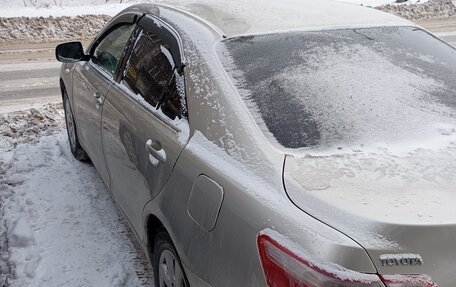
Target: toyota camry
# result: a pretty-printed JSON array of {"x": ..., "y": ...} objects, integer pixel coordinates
[{"x": 277, "y": 143}]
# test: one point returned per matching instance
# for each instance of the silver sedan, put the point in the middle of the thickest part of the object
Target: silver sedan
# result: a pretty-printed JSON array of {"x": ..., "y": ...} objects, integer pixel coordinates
[{"x": 298, "y": 143}]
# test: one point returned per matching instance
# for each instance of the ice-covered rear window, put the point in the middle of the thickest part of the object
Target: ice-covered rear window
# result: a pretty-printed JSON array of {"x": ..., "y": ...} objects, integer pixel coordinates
[{"x": 348, "y": 87}]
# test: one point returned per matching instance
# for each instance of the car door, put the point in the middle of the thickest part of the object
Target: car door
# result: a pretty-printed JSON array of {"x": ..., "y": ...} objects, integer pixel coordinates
[
  {"x": 91, "y": 83},
  {"x": 145, "y": 123}
]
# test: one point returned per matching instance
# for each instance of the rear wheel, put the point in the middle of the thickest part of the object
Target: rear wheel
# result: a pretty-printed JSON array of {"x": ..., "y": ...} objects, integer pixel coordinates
[
  {"x": 168, "y": 271},
  {"x": 76, "y": 149}
]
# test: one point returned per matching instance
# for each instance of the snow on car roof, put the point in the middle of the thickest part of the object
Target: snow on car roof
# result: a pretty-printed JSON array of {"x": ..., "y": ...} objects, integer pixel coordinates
[{"x": 242, "y": 17}]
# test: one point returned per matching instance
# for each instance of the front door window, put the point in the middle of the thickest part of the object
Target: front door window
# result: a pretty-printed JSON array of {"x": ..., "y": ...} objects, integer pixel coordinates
[{"x": 109, "y": 51}]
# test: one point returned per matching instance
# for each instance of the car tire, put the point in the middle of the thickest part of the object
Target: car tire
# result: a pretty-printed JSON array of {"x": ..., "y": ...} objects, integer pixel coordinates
[
  {"x": 168, "y": 270},
  {"x": 75, "y": 147}
]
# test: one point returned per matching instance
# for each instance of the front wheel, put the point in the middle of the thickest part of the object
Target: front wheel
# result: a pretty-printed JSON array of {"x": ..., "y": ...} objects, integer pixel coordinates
[
  {"x": 76, "y": 149},
  {"x": 168, "y": 271}
]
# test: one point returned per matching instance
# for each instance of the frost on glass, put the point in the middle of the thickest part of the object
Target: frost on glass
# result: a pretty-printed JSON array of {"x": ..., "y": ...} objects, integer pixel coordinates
[{"x": 345, "y": 88}]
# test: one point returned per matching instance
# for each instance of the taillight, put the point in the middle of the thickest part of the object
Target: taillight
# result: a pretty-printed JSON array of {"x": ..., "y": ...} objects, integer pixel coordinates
[
  {"x": 284, "y": 268},
  {"x": 408, "y": 281}
]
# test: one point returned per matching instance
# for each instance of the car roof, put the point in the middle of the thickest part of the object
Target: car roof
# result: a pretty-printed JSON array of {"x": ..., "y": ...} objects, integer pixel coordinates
[{"x": 245, "y": 17}]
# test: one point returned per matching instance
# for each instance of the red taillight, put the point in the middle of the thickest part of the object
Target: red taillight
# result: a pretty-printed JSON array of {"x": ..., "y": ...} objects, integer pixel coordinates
[
  {"x": 283, "y": 268},
  {"x": 408, "y": 281}
]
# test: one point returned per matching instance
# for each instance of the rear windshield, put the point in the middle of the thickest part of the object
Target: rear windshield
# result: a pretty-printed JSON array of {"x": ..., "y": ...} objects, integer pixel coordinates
[{"x": 348, "y": 87}]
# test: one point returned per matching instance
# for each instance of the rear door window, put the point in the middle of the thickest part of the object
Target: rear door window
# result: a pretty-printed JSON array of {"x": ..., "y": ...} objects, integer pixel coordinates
[{"x": 151, "y": 74}]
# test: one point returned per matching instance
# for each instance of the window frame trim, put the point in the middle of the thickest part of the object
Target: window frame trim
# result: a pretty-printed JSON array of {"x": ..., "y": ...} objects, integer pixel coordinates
[
  {"x": 143, "y": 22},
  {"x": 100, "y": 68},
  {"x": 176, "y": 49},
  {"x": 122, "y": 19}
]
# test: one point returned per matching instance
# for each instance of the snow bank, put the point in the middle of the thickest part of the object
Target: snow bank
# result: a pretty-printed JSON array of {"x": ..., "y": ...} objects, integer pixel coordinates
[
  {"x": 58, "y": 224},
  {"x": 48, "y": 3},
  {"x": 374, "y": 3},
  {"x": 429, "y": 10},
  {"x": 51, "y": 29},
  {"x": 36, "y": 8},
  {"x": 29, "y": 125},
  {"x": 21, "y": 235},
  {"x": 412, "y": 9}
]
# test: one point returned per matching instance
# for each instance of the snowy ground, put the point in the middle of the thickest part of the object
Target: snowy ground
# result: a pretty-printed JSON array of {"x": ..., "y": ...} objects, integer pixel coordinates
[{"x": 58, "y": 224}]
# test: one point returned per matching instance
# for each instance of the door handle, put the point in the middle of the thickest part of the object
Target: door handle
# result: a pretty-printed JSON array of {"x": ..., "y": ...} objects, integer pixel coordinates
[
  {"x": 83, "y": 83},
  {"x": 98, "y": 99},
  {"x": 156, "y": 153}
]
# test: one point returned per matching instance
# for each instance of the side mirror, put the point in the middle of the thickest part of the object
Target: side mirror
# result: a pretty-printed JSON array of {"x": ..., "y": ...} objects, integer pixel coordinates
[{"x": 70, "y": 52}]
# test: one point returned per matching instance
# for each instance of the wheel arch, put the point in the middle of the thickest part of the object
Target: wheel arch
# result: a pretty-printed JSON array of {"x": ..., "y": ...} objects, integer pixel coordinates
[{"x": 153, "y": 225}]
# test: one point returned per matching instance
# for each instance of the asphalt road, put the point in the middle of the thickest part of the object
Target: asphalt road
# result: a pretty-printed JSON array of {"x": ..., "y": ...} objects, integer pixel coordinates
[
  {"x": 28, "y": 84},
  {"x": 449, "y": 37},
  {"x": 29, "y": 76}
]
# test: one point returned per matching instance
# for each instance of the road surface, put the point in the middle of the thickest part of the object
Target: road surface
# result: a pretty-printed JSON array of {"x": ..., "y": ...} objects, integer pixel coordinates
[
  {"x": 29, "y": 73},
  {"x": 28, "y": 76},
  {"x": 28, "y": 84},
  {"x": 449, "y": 37}
]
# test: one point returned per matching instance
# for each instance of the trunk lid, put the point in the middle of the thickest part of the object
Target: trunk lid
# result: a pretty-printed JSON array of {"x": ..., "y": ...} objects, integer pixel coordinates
[{"x": 400, "y": 207}]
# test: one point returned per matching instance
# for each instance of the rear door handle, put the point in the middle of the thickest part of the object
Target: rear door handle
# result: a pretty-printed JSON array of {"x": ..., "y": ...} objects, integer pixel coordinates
[
  {"x": 98, "y": 99},
  {"x": 156, "y": 153},
  {"x": 83, "y": 83}
]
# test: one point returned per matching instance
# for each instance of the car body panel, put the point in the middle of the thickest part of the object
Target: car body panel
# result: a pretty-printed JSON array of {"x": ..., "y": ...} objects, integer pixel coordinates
[
  {"x": 130, "y": 126},
  {"x": 205, "y": 202},
  {"x": 230, "y": 248},
  {"x": 127, "y": 126},
  {"x": 83, "y": 80},
  {"x": 90, "y": 82},
  {"x": 387, "y": 213}
]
